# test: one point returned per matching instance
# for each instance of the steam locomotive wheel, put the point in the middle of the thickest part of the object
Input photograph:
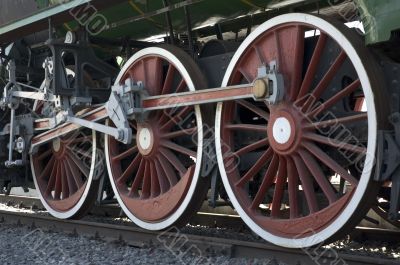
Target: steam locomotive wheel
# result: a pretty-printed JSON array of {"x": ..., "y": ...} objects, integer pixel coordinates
[
  {"x": 65, "y": 174},
  {"x": 299, "y": 171},
  {"x": 66, "y": 170},
  {"x": 156, "y": 178}
]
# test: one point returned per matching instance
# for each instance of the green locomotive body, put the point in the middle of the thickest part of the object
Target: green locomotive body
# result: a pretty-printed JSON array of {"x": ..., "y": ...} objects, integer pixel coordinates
[{"x": 142, "y": 19}]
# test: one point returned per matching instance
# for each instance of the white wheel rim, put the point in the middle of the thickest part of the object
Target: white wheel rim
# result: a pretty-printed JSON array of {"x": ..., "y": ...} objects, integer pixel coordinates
[
  {"x": 344, "y": 216},
  {"x": 73, "y": 211}
]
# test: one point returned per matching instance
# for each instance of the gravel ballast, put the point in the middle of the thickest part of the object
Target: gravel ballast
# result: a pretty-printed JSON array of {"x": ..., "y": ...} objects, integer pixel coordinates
[{"x": 23, "y": 245}]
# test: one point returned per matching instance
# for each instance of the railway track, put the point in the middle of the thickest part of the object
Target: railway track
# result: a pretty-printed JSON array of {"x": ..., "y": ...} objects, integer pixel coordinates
[
  {"x": 172, "y": 241},
  {"x": 207, "y": 217}
]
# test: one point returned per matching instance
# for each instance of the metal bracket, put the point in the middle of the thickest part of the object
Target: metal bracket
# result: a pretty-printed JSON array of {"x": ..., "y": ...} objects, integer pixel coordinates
[
  {"x": 209, "y": 168},
  {"x": 212, "y": 201},
  {"x": 387, "y": 156},
  {"x": 125, "y": 101},
  {"x": 388, "y": 163},
  {"x": 123, "y": 135},
  {"x": 209, "y": 160},
  {"x": 12, "y": 104},
  {"x": 275, "y": 82},
  {"x": 129, "y": 96}
]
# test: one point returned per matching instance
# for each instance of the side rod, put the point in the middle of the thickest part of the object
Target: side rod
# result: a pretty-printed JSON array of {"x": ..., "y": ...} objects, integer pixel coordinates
[{"x": 257, "y": 90}]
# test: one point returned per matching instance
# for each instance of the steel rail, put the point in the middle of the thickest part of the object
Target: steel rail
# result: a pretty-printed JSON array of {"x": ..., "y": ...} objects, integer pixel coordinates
[
  {"x": 206, "y": 217},
  {"x": 172, "y": 240}
]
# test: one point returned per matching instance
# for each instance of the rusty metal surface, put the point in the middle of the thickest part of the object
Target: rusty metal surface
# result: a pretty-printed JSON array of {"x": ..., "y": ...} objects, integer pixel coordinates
[
  {"x": 95, "y": 115},
  {"x": 199, "y": 97}
]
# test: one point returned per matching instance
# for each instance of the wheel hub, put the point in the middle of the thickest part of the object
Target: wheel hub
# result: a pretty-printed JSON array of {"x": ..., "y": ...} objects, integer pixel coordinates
[
  {"x": 281, "y": 130},
  {"x": 284, "y": 129},
  {"x": 145, "y": 139},
  {"x": 57, "y": 144}
]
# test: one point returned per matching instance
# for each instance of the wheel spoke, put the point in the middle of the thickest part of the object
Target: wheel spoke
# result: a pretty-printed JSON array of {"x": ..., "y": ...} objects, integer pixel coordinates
[
  {"x": 168, "y": 170},
  {"x": 263, "y": 114},
  {"x": 251, "y": 147},
  {"x": 47, "y": 168},
  {"x": 178, "y": 148},
  {"x": 255, "y": 168},
  {"x": 45, "y": 155},
  {"x": 297, "y": 61},
  {"x": 75, "y": 172},
  {"x": 326, "y": 80},
  {"x": 138, "y": 179},
  {"x": 319, "y": 176},
  {"x": 248, "y": 76},
  {"x": 259, "y": 54},
  {"x": 335, "y": 99},
  {"x": 181, "y": 87},
  {"x": 279, "y": 188},
  {"x": 313, "y": 66},
  {"x": 175, "y": 162},
  {"x": 167, "y": 88},
  {"x": 335, "y": 143},
  {"x": 146, "y": 184},
  {"x": 293, "y": 189},
  {"x": 58, "y": 187},
  {"x": 166, "y": 114},
  {"x": 247, "y": 127},
  {"x": 278, "y": 45},
  {"x": 176, "y": 119},
  {"x": 126, "y": 153},
  {"x": 162, "y": 178},
  {"x": 130, "y": 169},
  {"x": 153, "y": 75},
  {"x": 268, "y": 179},
  {"x": 72, "y": 186},
  {"x": 82, "y": 167},
  {"x": 52, "y": 180},
  {"x": 306, "y": 184},
  {"x": 183, "y": 132},
  {"x": 155, "y": 184},
  {"x": 65, "y": 188},
  {"x": 334, "y": 122},
  {"x": 328, "y": 161},
  {"x": 77, "y": 150}
]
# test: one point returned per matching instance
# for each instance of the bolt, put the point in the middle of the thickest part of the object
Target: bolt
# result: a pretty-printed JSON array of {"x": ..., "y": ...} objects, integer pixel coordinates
[
  {"x": 120, "y": 135},
  {"x": 260, "y": 88}
]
